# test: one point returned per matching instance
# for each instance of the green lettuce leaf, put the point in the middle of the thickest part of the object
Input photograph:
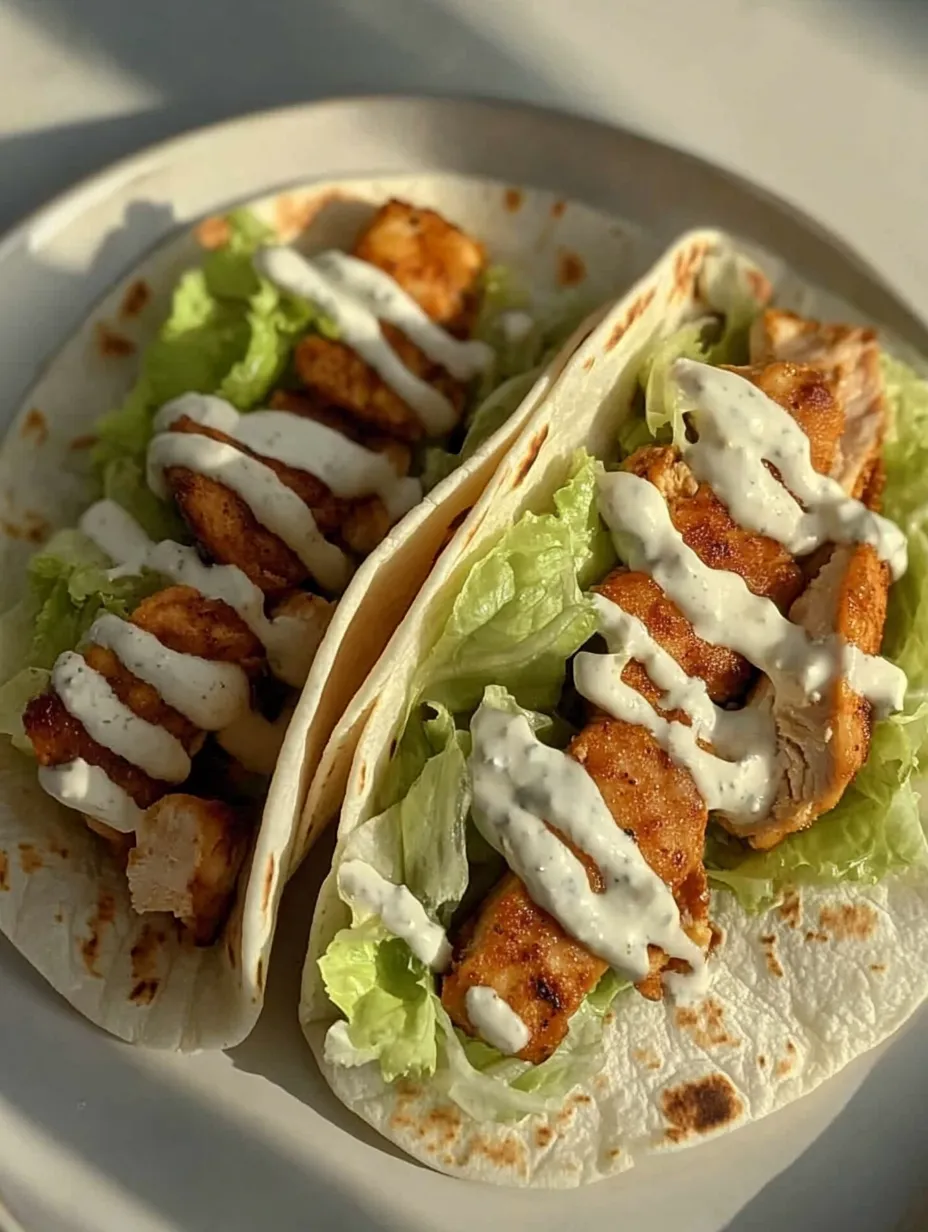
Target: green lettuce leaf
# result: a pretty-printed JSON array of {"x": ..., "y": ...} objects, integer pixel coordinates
[
  {"x": 228, "y": 333},
  {"x": 386, "y": 996},
  {"x": 70, "y": 587},
  {"x": 520, "y": 613}
]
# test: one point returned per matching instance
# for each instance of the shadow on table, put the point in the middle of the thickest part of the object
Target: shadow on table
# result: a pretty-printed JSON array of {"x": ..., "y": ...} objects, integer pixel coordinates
[{"x": 832, "y": 1184}]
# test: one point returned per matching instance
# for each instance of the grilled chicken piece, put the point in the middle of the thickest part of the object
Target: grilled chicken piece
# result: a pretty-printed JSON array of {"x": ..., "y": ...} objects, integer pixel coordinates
[
  {"x": 439, "y": 266},
  {"x": 707, "y": 528},
  {"x": 433, "y": 261},
  {"x": 183, "y": 620},
  {"x": 332, "y": 370},
  {"x": 826, "y": 743},
  {"x": 186, "y": 861},
  {"x": 514, "y": 946},
  {"x": 850, "y": 357}
]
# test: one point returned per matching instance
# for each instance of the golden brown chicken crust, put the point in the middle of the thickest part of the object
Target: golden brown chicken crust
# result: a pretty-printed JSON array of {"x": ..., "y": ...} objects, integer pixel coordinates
[
  {"x": 707, "y": 527},
  {"x": 432, "y": 260},
  {"x": 339, "y": 375},
  {"x": 190, "y": 623},
  {"x": 523, "y": 953},
  {"x": 826, "y": 749},
  {"x": 186, "y": 860},
  {"x": 223, "y": 523},
  {"x": 808, "y": 395},
  {"x": 57, "y": 738},
  {"x": 849, "y": 357},
  {"x": 726, "y": 673}
]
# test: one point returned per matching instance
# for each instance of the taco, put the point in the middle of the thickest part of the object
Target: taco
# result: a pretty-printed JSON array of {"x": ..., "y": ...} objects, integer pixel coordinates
[
  {"x": 631, "y": 850},
  {"x": 301, "y": 421}
]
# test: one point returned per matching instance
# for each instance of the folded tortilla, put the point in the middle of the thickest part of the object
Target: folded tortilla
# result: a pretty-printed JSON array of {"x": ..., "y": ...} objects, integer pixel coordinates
[
  {"x": 63, "y": 899},
  {"x": 798, "y": 990}
]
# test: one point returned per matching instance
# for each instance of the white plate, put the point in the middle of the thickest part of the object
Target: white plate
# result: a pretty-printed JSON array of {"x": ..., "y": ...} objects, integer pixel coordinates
[{"x": 96, "y": 1135}]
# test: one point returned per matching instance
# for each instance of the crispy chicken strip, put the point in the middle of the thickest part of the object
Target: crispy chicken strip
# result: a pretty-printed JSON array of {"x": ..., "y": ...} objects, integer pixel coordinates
[
  {"x": 332, "y": 370},
  {"x": 183, "y": 620},
  {"x": 186, "y": 861},
  {"x": 513, "y": 945},
  {"x": 850, "y": 357},
  {"x": 825, "y": 744},
  {"x": 439, "y": 266},
  {"x": 433, "y": 261}
]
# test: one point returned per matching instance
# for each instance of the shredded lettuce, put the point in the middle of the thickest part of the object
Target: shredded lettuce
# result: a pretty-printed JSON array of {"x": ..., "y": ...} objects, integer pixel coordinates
[
  {"x": 520, "y": 613},
  {"x": 876, "y": 828},
  {"x": 717, "y": 338},
  {"x": 229, "y": 333}
]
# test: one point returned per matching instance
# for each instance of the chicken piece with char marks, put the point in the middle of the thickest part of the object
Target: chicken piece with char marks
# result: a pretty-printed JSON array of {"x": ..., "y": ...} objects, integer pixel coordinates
[{"x": 517, "y": 948}]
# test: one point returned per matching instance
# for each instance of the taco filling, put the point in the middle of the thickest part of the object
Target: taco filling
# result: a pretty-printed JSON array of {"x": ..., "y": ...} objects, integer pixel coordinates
[
  {"x": 291, "y": 411},
  {"x": 664, "y": 686}
]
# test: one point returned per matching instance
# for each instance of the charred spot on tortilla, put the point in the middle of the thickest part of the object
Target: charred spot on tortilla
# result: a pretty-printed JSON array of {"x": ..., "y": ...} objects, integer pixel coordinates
[
  {"x": 705, "y": 1023},
  {"x": 507, "y": 1151},
  {"x": 571, "y": 268},
  {"x": 86, "y": 441},
  {"x": 762, "y": 1061},
  {"x": 769, "y": 945},
  {"x": 362, "y": 775},
  {"x": 34, "y": 426},
  {"x": 259, "y": 974},
  {"x": 103, "y": 916},
  {"x": 456, "y": 522},
  {"x": 544, "y": 1135},
  {"x": 111, "y": 344},
  {"x": 558, "y": 208},
  {"x": 589, "y": 362},
  {"x": 878, "y": 968},
  {"x": 848, "y": 921},
  {"x": 268, "y": 883},
  {"x": 685, "y": 267},
  {"x": 30, "y": 528},
  {"x": 4, "y": 871},
  {"x": 700, "y": 1107},
  {"x": 531, "y": 454},
  {"x": 136, "y": 298},
  {"x": 30, "y": 859},
  {"x": 640, "y": 306},
  {"x": 512, "y": 199},
  {"x": 790, "y": 909}
]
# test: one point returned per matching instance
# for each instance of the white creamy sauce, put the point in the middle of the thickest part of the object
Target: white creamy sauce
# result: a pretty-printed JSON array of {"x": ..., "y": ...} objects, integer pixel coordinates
[
  {"x": 519, "y": 784},
  {"x": 723, "y": 611},
  {"x": 276, "y": 507},
  {"x": 117, "y": 534},
  {"x": 400, "y": 912},
  {"x": 88, "y": 697},
  {"x": 516, "y": 325},
  {"x": 210, "y": 694},
  {"x": 495, "y": 1020},
  {"x": 344, "y": 296},
  {"x": 346, "y": 468},
  {"x": 463, "y": 359},
  {"x": 78, "y": 785},
  {"x": 741, "y": 776},
  {"x": 740, "y": 428}
]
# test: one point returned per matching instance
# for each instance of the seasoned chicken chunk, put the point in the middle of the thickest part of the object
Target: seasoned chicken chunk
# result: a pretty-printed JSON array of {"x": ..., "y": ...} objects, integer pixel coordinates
[
  {"x": 850, "y": 358},
  {"x": 433, "y": 261},
  {"x": 333, "y": 371},
  {"x": 186, "y": 861},
  {"x": 183, "y": 620},
  {"x": 825, "y": 743}
]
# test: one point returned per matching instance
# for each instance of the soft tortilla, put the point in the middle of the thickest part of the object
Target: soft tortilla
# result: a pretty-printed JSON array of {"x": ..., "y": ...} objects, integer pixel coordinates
[
  {"x": 63, "y": 900},
  {"x": 798, "y": 992}
]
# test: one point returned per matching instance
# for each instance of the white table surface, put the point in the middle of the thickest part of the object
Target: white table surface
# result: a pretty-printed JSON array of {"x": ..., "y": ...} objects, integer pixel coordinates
[{"x": 823, "y": 101}]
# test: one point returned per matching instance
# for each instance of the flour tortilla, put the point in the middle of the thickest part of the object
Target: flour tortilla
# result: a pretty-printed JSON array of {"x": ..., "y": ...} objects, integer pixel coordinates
[
  {"x": 798, "y": 992},
  {"x": 63, "y": 900}
]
